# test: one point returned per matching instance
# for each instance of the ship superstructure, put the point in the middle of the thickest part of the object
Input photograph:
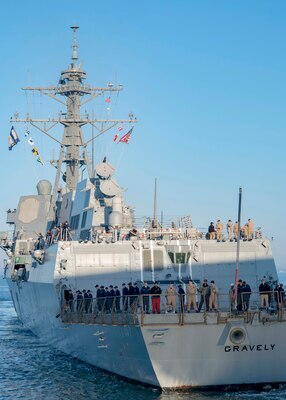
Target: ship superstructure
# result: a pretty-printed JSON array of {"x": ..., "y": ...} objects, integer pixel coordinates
[{"x": 90, "y": 239}]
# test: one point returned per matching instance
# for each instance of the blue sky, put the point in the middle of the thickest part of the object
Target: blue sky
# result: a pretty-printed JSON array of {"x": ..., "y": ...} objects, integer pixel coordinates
[{"x": 206, "y": 80}]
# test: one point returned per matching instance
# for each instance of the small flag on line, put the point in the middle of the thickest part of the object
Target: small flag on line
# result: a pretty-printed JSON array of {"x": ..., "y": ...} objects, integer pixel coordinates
[
  {"x": 115, "y": 137},
  {"x": 13, "y": 138},
  {"x": 40, "y": 160},
  {"x": 108, "y": 100},
  {"x": 125, "y": 138},
  {"x": 31, "y": 141},
  {"x": 120, "y": 128},
  {"x": 27, "y": 133},
  {"x": 35, "y": 151}
]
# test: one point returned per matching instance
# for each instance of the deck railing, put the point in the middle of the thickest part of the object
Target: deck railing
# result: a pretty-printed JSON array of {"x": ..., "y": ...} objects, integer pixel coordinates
[{"x": 162, "y": 309}]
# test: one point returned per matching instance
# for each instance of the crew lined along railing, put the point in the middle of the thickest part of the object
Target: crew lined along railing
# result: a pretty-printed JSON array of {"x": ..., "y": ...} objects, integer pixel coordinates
[
  {"x": 144, "y": 309},
  {"x": 64, "y": 232}
]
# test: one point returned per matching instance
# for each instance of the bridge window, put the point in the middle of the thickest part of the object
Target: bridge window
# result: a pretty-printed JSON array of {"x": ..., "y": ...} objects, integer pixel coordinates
[
  {"x": 75, "y": 221},
  {"x": 83, "y": 221},
  {"x": 179, "y": 258},
  {"x": 86, "y": 199},
  {"x": 171, "y": 255}
]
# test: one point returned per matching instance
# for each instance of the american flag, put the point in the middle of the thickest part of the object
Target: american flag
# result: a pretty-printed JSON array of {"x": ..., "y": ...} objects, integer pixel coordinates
[{"x": 125, "y": 138}]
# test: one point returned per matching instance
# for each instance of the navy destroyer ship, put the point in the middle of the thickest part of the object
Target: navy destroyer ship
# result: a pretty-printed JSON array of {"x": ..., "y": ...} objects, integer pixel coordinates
[{"x": 75, "y": 244}]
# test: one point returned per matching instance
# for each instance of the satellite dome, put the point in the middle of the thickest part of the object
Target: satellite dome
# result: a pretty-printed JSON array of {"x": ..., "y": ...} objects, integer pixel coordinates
[
  {"x": 44, "y": 187},
  {"x": 110, "y": 188},
  {"x": 104, "y": 170}
]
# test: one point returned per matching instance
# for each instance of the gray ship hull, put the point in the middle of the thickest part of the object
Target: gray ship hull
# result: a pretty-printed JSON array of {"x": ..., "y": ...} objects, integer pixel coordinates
[
  {"x": 159, "y": 351},
  {"x": 118, "y": 349}
]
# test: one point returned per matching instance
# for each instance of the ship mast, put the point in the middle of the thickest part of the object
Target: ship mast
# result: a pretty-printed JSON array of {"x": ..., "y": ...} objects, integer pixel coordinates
[
  {"x": 73, "y": 90},
  {"x": 238, "y": 246}
]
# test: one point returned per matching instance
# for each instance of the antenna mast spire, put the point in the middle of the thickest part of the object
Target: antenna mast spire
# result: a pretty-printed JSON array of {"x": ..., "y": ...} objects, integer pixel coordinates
[
  {"x": 155, "y": 222},
  {"x": 75, "y": 47}
]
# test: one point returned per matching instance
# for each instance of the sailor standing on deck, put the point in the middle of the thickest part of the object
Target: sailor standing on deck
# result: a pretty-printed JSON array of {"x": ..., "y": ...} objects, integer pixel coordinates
[
  {"x": 213, "y": 296},
  {"x": 264, "y": 290},
  {"x": 171, "y": 296},
  {"x": 279, "y": 295},
  {"x": 205, "y": 296},
  {"x": 40, "y": 244},
  {"x": 136, "y": 295},
  {"x": 235, "y": 230},
  {"x": 117, "y": 298},
  {"x": 181, "y": 294},
  {"x": 111, "y": 298},
  {"x": 79, "y": 300},
  {"x": 240, "y": 291},
  {"x": 246, "y": 295},
  {"x": 244, "y": 232},
  {"x": 250, "y": 229},
  {"x": 97, "y": 288},
  {"x": 100, "y": 297},
  {"x": 229, "y": 229},
  {"x": 106, "y": 300},
  {"x": 131, "y": 293},
  {"x": 219, "y": 229},
  {"x": 191, "y": 296},
  {"x": 124, "y": 297},
  {"x": 156, "y": 292},
  {"x": 90, "y": 301},
  {"x": 86, "y": 300},
  {"x": 211, "y": 231},
  {"x": 145, "y": 292}
]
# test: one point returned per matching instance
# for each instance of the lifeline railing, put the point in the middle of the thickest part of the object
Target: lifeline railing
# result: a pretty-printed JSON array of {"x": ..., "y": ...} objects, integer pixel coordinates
[{"x": 157, "y": 309}]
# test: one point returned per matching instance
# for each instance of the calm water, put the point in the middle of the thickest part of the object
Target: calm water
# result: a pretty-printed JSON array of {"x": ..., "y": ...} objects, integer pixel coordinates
[{"x": 31, "y": 370}]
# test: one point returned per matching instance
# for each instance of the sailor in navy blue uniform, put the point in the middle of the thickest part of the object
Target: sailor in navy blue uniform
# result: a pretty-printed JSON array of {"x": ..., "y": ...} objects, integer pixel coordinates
[
  {"x": 145, "y": 292},
  {"x": 117, "y": 298},
  {"x": 106, "y": 299},
  {"x": 100, "y": 298},
  {"x": 131, "y": 293},
  {"x": 181, "y": 294},
  {"x": 246, "y": 295},
  {"x": 136, "y": 295},
  {"x": 111, "y": 298},
  {"x": 85, "y": 300},
  {"x": 89, "y": 301},
  {"x": 124, "y": 297},
  {"x": 79, "y": 299},
  {"x": 240, "y": 291}
]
